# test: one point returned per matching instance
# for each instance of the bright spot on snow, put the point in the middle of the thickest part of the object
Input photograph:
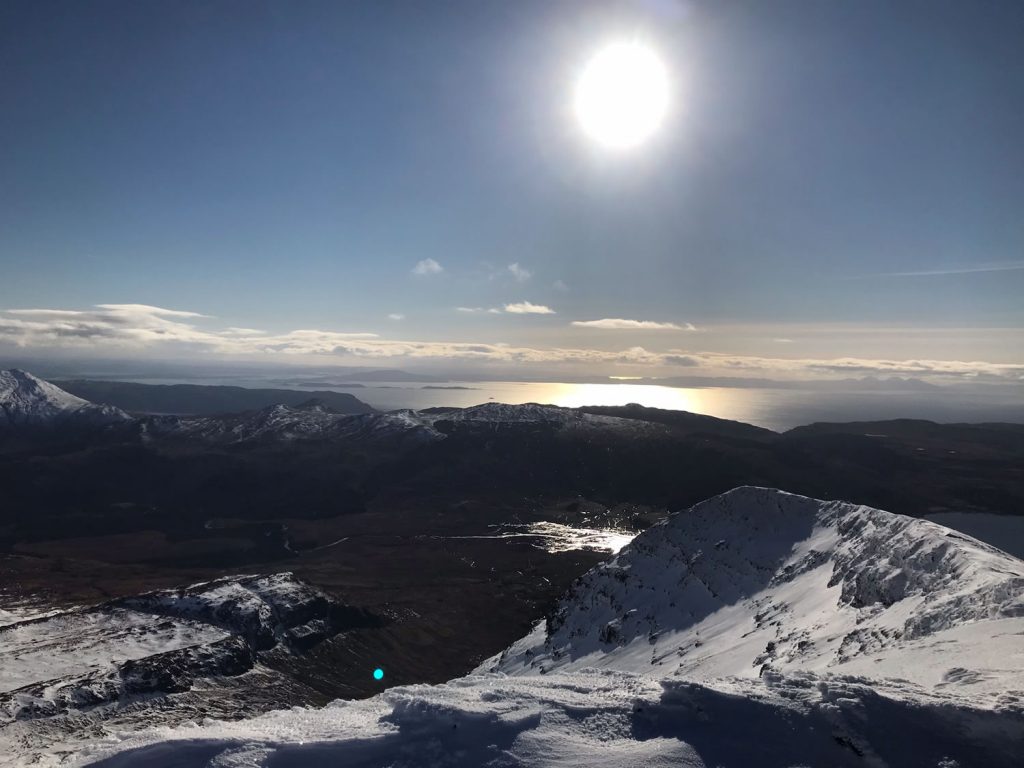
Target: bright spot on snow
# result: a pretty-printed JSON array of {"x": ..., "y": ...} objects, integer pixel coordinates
[
  {"x": 378, "y": 674},
  {"x": 622, "y": 95}
]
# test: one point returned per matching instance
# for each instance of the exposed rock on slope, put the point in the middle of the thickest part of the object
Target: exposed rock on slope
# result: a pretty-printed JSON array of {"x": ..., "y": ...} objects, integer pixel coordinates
[
  {"x": 161, "y": 642},
  {"x": 263, "y": 610}
]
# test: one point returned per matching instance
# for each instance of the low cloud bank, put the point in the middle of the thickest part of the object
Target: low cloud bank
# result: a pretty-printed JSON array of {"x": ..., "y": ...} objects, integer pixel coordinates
[{"x": 144, "y": 327}]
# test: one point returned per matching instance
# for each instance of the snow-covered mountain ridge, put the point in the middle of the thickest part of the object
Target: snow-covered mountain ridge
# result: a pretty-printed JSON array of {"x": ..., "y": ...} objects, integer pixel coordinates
[
  {"x": 757, "y": 628},
  {"x": 313, "y": 422},
  {"x": 756, "y": 579},
  {"x": 26, "y": 400}
]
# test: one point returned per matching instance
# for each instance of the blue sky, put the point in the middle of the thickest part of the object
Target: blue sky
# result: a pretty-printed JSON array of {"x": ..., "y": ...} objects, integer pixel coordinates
[{"x": 848, "y": 177}]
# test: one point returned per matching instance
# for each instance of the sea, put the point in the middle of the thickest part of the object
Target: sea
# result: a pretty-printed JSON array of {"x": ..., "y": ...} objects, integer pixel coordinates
[{"x": 776, "y": 409}]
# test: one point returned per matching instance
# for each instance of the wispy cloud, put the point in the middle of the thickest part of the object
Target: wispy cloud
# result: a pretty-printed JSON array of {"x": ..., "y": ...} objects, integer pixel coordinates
[
  {"x": 528, "y": 308},
  {"x": 113, "y": 310},
  {"x": 131, "y": 309},
  {"x": 396, "y": 316},
  {"x": 1009, "y": 266},
  {"x": 138, "y": 326},
  {"x": 132, "y": 325},
  {"x": 233, "y": 331},
  {"x": 782, "y": 341},
  {"x": 121, "y": 323},
  {"x": 48, "y": 313},
  {"x": 559, "y": 285},
  {"x": 519, "y": 273},
  {"x": 619, "y": 324},
  {"x": 427, "y": 267},
  {"x": 850, "y": 366},
  {"x": 519, "y": 308}
]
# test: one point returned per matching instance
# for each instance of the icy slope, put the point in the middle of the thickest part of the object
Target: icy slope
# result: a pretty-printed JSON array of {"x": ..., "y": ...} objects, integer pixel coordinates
[
  {"x": 26, "y": 400},
  {"x": 592, "y": 719},
  {"x": 758, "y": 579},
  {"x": 757, "y": 628}
]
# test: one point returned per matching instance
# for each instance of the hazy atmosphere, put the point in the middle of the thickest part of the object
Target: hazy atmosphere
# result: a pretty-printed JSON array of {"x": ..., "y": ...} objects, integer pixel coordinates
[
  {"x": 409, "y": 185},
  {"x": 511, "y": 383}
]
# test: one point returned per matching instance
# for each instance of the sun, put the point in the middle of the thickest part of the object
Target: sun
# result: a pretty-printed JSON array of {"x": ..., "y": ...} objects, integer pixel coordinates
[{"x": 622, "y": 95}]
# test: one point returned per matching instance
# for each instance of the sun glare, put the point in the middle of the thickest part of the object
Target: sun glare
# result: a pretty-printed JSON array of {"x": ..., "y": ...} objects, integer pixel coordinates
[
  {"x": 650, "y": 395},
  {"x": 622, "y": 95}
]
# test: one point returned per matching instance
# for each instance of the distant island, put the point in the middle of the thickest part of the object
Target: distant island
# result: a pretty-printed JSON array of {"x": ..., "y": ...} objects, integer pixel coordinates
[
  {"x": 389, "y": 375},
  {"x": 436, "y": 386},
  {"x": 339, "y": 385},
  {"x": 202, "y": 399}
]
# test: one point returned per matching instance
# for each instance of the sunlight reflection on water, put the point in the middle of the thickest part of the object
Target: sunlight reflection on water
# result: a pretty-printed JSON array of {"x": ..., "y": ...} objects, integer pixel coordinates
[
  {"x": 651, "y": 395},
  {"x": 778, "y": 409},
  {"x": 555, "y": 537},
  {"x": 710, "y": 401},
  {"x": 774, "y": 408}
]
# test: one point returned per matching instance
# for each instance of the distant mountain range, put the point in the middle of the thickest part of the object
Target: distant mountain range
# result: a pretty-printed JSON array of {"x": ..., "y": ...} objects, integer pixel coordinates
[
  {"x": 313, "y": 460},
  {"x": 199, "y": 399}
]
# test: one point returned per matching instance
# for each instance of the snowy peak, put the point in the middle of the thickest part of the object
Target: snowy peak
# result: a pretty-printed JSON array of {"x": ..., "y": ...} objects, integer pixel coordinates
[
  {"x": 26, "y": 400},
  {"x": 757, "y": 579},
  {"x": 20, "y": 391}
]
